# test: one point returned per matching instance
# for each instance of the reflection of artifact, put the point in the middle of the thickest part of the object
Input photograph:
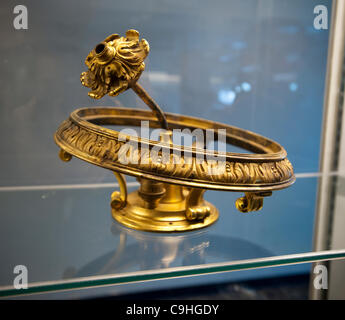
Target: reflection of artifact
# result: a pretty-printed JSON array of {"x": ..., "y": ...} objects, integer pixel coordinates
[
  {"x": 170, "y": 197},
  {"x": 140, "y": 251}
]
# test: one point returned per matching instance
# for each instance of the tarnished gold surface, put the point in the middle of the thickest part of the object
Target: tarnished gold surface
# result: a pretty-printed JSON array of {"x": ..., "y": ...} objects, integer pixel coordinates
[{"x": 170, "y": 197}]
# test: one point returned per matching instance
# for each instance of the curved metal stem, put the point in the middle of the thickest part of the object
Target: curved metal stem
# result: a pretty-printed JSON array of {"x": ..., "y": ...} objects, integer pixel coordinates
[
  {"x": 119, "y": 199},
  {"x": 140, "y": 91}
]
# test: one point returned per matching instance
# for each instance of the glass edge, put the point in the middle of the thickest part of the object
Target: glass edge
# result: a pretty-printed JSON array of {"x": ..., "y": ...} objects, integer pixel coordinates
[{"x": 99, "y": 281}]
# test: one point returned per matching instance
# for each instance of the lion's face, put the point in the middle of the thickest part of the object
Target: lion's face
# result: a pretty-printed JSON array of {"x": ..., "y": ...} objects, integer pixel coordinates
[{"x": 114, "y": 64}]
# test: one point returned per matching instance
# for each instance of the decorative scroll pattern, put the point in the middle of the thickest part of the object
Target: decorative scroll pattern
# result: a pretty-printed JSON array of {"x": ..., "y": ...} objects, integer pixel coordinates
[{"x": 102, "y": 149}]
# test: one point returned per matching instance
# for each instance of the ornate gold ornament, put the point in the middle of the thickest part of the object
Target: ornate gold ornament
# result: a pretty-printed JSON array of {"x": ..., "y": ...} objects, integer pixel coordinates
[{"x": 170, "y": 197}]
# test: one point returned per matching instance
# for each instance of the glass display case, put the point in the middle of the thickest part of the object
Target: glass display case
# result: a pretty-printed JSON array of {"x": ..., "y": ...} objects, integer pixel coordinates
[{"x": 274, "y": 67}]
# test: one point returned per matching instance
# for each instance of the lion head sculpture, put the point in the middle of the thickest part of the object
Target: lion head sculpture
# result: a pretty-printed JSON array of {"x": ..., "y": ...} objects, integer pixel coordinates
[{"x": 115, "y": 64}]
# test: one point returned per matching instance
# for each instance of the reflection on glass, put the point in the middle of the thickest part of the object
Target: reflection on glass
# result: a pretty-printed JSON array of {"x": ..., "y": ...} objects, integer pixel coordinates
[{"x": 146, "y": 251}]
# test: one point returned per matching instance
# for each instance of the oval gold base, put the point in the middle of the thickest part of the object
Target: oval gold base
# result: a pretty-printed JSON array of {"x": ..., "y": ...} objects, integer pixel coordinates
[{"x": 164, "y": 218}]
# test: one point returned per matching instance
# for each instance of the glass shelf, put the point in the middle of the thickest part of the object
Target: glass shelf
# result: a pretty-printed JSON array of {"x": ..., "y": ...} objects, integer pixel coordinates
[
  {"x": 67, "y": 239},
  {"x": 251, "y": 64}
]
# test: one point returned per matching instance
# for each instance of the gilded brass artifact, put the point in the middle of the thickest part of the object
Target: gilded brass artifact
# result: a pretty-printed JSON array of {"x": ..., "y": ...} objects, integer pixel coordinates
[{"x": 170, "y": 197}]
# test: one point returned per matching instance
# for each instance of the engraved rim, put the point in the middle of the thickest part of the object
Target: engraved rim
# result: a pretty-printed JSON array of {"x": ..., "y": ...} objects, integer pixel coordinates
[{"x": 266, "y": 169}]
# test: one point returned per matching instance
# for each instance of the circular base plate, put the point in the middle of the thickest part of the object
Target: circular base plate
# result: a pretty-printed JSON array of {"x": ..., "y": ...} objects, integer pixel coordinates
[{"x": 167, "y": 217}]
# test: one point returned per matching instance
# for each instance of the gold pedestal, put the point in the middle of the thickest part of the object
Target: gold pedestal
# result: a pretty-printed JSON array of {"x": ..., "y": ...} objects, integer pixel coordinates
[{"x": 162, "y": 207}]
